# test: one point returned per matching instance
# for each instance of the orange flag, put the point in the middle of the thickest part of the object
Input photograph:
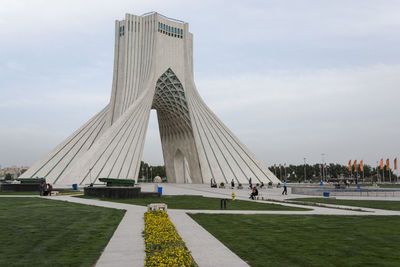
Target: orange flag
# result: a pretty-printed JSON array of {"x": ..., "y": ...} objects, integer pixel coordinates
[
  {"x": 387, "y": 164},
  {"x": 361, "y": 166},
  {"x": 395, "y": 164},
  {"x": 349, "y": 165},
  {"x": 355, "y": 165},
  {"x": 381, "y": 164}
]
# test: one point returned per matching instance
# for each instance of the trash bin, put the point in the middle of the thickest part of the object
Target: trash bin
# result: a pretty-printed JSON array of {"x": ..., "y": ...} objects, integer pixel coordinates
[
  {"x": 160, "y": 190},
  {"x": 326, "y": 194},
  {"x": 358, "y": 187},
  {"x": 75, "y": 186}
]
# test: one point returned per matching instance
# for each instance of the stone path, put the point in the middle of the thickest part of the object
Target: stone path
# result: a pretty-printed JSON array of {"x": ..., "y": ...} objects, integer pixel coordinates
[
  {"x": 205, "y": 248},
  {"x": 126, "y": 247}
]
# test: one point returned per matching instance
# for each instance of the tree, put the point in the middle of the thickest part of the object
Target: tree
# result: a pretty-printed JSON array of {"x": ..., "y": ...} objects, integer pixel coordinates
[{"x": 8, "y": 176}]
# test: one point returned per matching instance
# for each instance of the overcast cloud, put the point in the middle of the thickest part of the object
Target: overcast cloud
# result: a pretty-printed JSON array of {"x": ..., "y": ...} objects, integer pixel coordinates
[{"x": 291, "y": 79}]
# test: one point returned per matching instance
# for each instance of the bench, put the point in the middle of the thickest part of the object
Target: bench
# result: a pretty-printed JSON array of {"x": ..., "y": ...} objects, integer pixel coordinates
[
  {"x": 55, "y": 193},
  {"x": 157, "y": 206},
  {"x": 30, "y": 180},
  {"x": 259, "y": 197},
  {"x": 118, "y": 182}
]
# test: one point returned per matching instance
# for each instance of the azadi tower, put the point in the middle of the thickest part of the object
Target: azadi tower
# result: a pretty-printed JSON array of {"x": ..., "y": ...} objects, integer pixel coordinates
[{"x": 153, "y": 69}]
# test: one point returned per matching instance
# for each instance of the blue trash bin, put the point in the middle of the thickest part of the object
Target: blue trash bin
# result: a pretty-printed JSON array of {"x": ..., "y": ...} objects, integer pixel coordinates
[
  {"x": 75, "y": 186},
  {"x": 358, "y": 187},
  {"x": 326, "y": 194},
  {"x": 160, "y": 190}
]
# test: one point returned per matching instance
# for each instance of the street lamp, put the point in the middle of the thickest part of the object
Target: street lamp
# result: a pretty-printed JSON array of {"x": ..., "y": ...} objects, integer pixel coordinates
[
  {"x": 323, "y": 166},
  {"x": 285, "y": 171},
  {"x": 305, "y": 176},
  {"x": 90, "y": 175}
]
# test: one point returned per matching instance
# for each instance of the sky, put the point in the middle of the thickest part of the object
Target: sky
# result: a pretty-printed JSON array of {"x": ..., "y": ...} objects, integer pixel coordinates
[{"x": 314, "y": 79}]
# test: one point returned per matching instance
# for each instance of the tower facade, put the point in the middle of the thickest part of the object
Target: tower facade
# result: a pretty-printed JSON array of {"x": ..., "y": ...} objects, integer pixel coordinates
[{"x": 153, "y": 69}]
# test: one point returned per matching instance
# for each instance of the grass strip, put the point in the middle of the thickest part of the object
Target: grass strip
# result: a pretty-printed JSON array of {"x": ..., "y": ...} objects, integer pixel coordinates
[
  {"x": 201, "y": 203},
  {"x": 373, "y": 204}
]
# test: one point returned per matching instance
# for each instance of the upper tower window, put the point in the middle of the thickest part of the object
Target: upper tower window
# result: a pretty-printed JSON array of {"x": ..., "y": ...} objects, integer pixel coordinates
[
  {"x": 169, "y": 30},
  {"x": 121, "y": 30}
]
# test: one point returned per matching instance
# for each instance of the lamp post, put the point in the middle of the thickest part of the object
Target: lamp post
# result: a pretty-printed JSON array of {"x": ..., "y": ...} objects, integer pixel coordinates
[
  {"x": 90, "y": 174},
  {"x": 323, "y": 166},
  {"x": 285, "y": 170},
  {"x": 305, "y": 176}
]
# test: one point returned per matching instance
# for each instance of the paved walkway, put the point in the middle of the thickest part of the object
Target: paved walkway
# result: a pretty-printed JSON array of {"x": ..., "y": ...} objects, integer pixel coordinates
[{"x": 126, "y": 247}]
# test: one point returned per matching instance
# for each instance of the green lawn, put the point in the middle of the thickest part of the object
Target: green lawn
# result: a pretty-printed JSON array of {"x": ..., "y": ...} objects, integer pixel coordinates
[
  {"x": 389, "y": 185},
  {"x": 20, "y": 193},
  {"x": 40, "y": 232},
  {"x": 308, "y": 240},
  {"x": 374, "y": 204},
  {"x": 201, "y": 203}
]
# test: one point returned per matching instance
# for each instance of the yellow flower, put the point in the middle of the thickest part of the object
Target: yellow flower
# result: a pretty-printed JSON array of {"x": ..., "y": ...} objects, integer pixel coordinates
[{"x": 164, "y": 247}]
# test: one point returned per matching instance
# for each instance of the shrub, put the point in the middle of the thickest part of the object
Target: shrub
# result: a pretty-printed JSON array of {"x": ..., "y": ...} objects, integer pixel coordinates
[
  {"x": 257, "y": 184},
  {"x": 270, "y": 183},
  {"x": 240, "y": 184},
  {"x": 222, "y": 184}
]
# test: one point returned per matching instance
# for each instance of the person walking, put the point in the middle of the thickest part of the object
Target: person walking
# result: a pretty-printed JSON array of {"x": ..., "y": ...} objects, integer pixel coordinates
[
  {"x": 42, "y": 187},
  {"x": 250, "y": 185},
  {"x": 284, "y": 188},
  {"x": 232, "y": 184}
]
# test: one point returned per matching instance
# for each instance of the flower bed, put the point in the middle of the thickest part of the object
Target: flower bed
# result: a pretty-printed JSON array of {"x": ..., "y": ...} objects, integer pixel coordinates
[{"x": 164, "y": 247}]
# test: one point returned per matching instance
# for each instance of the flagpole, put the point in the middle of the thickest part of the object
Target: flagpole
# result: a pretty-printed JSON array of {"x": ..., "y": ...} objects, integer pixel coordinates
[
  {"x": 351, "y": 172},
  {"x": 363, "y": 175}
]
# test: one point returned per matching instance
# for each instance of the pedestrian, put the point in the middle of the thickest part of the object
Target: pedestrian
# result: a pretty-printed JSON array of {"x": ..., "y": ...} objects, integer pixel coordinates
[
  {"x": 232, "y": 184},
  {"x": 250, "y": 185},
  {"x": 49, "y": 188},
  {"x": 254, "y": 193},
  {"x": 42, "y": 187},
  {"x": 284, "y": 188}
]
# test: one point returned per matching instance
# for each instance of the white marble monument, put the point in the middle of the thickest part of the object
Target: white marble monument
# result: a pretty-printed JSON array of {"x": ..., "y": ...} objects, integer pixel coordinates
[{"x": 153, "y": 69}]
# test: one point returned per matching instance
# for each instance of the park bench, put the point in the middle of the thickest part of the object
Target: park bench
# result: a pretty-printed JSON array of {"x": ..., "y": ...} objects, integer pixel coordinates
[
  {"x": 30, "y": 180},
  {"x": 117, "y": 182},
  {"x": 259, "y": 197}
]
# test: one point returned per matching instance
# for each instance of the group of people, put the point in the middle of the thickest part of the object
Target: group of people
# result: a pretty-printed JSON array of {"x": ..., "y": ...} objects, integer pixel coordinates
[
  {"x": 45, "y": 189},
  {"x": 254, "y": 190}
]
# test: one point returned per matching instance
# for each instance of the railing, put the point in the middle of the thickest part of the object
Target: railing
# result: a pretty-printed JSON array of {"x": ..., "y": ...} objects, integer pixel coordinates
[
  {"x": 366, "y": 192},
  {"x": 153, "y": 12}
]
